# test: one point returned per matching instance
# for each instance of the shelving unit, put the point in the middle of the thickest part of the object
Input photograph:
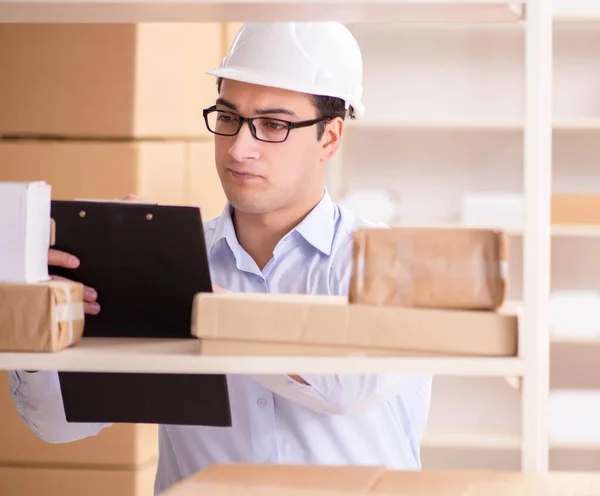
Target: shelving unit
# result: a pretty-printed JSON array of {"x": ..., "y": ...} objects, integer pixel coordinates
[
  {"x": 406, "y": 11},
  {"x": 518, "y": 64}
]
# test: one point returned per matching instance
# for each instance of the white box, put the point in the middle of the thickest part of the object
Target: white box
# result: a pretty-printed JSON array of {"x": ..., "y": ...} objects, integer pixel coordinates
[
  {"x": 493, "y": 210},
  {"x": 24, "y": 231}
]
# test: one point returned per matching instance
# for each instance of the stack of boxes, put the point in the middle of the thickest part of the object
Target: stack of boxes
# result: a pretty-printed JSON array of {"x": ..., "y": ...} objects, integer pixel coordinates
[{"x": 100, "y": 111}]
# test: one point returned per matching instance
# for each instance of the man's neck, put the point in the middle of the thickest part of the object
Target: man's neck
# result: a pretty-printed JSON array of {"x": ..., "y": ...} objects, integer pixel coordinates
[{"x": 259, "y": 234}]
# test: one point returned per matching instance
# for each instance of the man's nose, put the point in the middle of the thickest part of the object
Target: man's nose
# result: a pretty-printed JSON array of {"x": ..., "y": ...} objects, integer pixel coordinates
[{"x": 244, "y": 146}]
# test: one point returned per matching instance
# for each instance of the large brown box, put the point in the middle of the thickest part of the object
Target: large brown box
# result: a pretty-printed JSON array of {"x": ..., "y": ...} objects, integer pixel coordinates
[
  {"x": 41, "y": 317},
  {"x": 285, "y": 478},
  {"x": 108, "y": 80},
  {"x": 175, "y": 173},
  {"x": 422, "y": 267},
  {"x": 287, "y": 324},
  {"x": 275, "y": 480},
  {"x": 53, "y": 481},
  {"x": 121, "y": 446},
  {"x": 575, "y": 209}
]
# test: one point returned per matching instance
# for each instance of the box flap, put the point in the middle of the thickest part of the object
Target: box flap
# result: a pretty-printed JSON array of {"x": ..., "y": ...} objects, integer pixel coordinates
[
  {"x": 340, "y": 478},
  {"x": 453, "y": 483},
  {"x": 326, "y": 320},
  {"x": 278, "y": 480}
]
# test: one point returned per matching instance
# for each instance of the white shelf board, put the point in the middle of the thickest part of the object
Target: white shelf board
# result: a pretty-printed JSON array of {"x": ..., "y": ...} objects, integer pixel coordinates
[
  {"x": 575, "y": 340},
  {"x": 495, "y": 441},
  {"x": 471, "y": 440},
  {"x": 576, "y": 10},
  {"x": 405, "y": 11},
  {"x": 581, "y": 231},
  {"x": 566, "y": 231},
  {"x": 182, "y": 356},
  {"x": 468, "y": 124}
]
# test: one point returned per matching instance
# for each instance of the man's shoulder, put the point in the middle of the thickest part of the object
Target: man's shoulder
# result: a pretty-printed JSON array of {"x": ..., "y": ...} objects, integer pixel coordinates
[
  {"x": 350, "y": 221},
  {"x": 209, "y": 227}
]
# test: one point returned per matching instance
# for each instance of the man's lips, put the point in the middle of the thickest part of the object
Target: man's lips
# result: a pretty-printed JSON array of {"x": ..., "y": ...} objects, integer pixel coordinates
[{"x": 242, "y": 175}]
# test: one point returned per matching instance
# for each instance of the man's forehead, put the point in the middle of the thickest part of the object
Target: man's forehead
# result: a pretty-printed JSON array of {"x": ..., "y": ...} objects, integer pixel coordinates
[{"x": 253, "y": 97}]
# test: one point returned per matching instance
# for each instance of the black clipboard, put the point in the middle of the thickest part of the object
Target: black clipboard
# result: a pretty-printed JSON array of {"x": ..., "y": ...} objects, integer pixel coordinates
[{"x": 147, "y": 262}]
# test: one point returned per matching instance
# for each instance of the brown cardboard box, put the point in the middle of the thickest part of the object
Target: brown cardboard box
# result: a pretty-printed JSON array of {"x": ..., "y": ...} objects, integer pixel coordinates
[
  {"x": 174, "y": 173},
  {"x": 121, "y": 446},
  {"x": 318, "y": 320},
  {"x": 52, "y": 481},
  {"x": 205, "y": 188},
  {"x": 321, "y": 479},
  {"x": 433, "y": 483},
  {"x": 313, "y": 481},
  {"x": 453, "y": 268},
  {"x": 108, "y": 80},
  {"x": 44, "y": 316},
  {"x": 576, "y": 209}
]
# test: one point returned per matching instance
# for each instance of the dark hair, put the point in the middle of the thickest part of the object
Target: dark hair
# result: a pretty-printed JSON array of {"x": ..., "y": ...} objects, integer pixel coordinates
[{"x": 327, "y": 106}]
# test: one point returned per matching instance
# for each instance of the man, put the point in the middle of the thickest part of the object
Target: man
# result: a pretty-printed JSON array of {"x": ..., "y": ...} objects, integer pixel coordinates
[{"x": 284, "y": 90}]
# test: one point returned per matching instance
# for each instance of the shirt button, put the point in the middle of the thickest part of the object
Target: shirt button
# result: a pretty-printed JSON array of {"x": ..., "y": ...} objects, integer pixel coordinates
[{"x": 261, "y": 402}]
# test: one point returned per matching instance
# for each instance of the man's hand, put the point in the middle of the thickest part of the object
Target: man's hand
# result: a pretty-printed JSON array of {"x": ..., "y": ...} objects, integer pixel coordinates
[{"x": 58, "y": 258}]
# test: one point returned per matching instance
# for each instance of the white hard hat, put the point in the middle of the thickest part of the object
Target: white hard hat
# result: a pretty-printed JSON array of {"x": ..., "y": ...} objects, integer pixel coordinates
[{"x": 318, "y": 58}]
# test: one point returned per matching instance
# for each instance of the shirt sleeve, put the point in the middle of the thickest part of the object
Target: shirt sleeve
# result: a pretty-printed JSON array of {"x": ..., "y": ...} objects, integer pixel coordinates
[
  {"x": 38, "y": 399},
  {"x": 344, "y": 394}
]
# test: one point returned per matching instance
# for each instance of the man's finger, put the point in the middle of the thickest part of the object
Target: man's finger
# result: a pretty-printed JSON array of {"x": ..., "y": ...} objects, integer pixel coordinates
[
  {"x": 62, "y": 259},
  {"x": 89, "y": 294},
  {"x": 91, "y": 308}
]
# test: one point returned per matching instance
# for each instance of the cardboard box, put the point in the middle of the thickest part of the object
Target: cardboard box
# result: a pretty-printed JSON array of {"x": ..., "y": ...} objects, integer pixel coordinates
[
  {"x": 108, "y": 80},
  {"x": 329, "y": 321},
  {"x": 52, "y": 481},
  {"x": 25, "y": 228},
  {"x": 261, "y": 479},
  {"x": 311, "y": 481},
  {"x": 121, "y": 446},
  {"x": 44, "y": 316},
  {"x": 576, "y": 209},
  {"x": 204, "y": 185},
  {"x": 171, "y": 173},
  {"x": 452, "y": 268}
]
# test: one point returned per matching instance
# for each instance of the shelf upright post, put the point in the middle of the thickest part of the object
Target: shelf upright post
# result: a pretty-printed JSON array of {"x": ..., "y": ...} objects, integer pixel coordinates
[{"x": 534, "y": 336}]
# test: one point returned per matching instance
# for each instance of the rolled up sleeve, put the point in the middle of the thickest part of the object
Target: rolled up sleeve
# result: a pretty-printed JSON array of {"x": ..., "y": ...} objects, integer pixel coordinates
[{"x": 343, "y": 394}]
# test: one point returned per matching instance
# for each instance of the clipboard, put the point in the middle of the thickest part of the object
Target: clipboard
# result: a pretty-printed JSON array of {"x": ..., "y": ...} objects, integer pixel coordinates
[{"x": 146, "y": 262}]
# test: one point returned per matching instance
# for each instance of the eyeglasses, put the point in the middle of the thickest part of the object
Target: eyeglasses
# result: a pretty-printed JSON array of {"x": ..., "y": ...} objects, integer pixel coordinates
[{"x": 267, "y": 129}]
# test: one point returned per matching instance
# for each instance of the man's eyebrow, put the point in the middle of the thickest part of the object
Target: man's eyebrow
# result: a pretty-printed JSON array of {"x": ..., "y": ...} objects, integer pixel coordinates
[
  {"x": 277, "y": 110},
  {"x": 263, "y": 111},
  {"x": 225, "y": 103}
]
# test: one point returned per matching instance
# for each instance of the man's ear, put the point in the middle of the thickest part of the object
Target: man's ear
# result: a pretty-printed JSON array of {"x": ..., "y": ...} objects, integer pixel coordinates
[{"x": 331, "y": 139}]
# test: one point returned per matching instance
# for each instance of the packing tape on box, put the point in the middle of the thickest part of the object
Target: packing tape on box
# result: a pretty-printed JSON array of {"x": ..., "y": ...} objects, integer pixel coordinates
[
  {"x": 396, "y": 267},
  {"x": 69, "y": 312}
]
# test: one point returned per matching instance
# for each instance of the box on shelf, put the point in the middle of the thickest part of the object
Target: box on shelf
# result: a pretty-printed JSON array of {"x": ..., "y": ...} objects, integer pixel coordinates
[
  {"x": 43, "y": 317},
  {"x": 267, "y": 479},
  {"x": 53, "y": 481},
  {"x": 423, "y": 267},
  {"x": 273, "y": 480},
  {"x": 25, "y": 231},
  {"x": 108, "y": 80},
  {"x": 175, "y": 173},
  {"x": 122, "y": 446},
  {"x": 493, "y": 210},
  {"x": 267, "y": 324},
  {"x": 575, "y": 209}
]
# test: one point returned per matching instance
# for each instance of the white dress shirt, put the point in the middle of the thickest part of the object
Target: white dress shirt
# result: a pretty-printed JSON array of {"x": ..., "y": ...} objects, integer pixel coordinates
[{"x": 338, "y": 419}]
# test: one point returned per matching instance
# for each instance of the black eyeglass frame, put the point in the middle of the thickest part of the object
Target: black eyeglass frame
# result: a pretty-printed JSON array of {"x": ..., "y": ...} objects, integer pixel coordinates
[{"x": 250, "y": 120}]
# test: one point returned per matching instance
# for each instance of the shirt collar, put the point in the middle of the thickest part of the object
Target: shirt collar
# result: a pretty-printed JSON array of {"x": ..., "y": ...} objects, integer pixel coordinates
[{"x": 317, "y": 228}]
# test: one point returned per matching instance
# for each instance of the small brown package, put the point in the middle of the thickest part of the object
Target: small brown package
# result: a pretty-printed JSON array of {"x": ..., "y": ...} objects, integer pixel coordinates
[
  {"x": 46, "y": 316},
  {"x": 421, "y": 267}
]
